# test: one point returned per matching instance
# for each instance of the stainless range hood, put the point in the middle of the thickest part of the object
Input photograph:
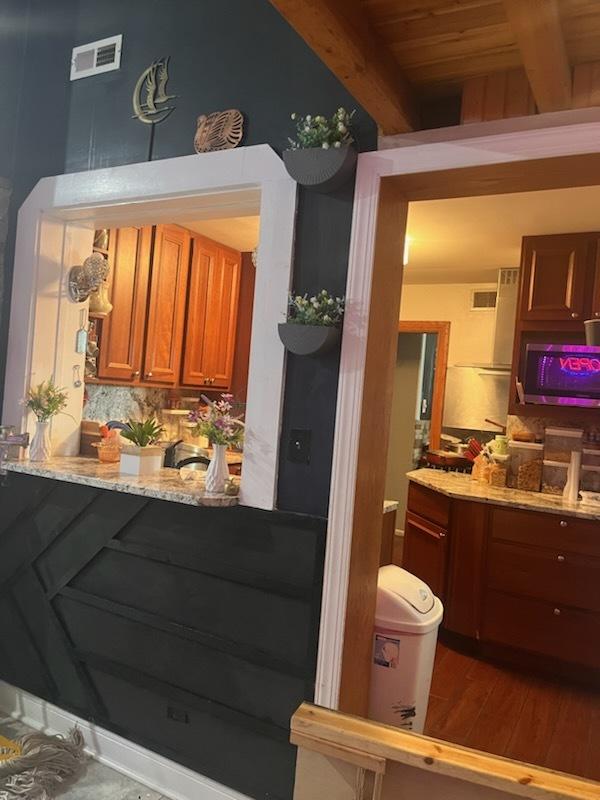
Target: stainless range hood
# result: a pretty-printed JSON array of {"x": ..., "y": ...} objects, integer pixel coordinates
[{"x": 504, "y": 324}]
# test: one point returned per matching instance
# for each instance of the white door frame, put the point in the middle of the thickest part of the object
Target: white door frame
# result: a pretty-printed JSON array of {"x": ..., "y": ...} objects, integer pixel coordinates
[
  {"x": 55, "y": 231},
  {"x": 420, "y": 152}
]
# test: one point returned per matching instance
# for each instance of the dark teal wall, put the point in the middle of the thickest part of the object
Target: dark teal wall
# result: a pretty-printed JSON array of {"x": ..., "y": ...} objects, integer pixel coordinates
[{"x": 224, "y": 54}]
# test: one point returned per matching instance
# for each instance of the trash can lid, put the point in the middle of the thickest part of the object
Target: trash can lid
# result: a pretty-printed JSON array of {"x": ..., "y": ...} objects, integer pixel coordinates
[{"x": 405, "y": 601}]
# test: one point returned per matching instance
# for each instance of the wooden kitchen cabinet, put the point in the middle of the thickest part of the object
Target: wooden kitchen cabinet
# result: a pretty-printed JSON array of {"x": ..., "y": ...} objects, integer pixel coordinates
[
  {"x": 425, "y": 552},
  {"x": 124, "y": 329},
  {"x": 166, "y": 305},
  {"x": 212, "y": 312},
  {"x": 555, "y": 272}
]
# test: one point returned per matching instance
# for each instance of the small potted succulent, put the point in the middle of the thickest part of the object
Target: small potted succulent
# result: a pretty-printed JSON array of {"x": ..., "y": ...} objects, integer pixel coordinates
[
  {"x": 143, "y": 456},
  {"x": 322, "y": 157},
  {"x": 217, "y": 422},
  {"x": 314, "y": 324},
  {"x": 46, "y": 400}
]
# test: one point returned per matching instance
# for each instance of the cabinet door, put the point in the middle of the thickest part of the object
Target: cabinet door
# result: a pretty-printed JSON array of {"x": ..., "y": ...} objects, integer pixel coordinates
[
  {"x": 426, "y": 552},
  {"x": 212, "y": 315},
  {"x": 123, "y": 330},
  {"x": 554, "y": 276},
  {"x": 166, "y": 307},
  {"x": 595, "y": 309}
]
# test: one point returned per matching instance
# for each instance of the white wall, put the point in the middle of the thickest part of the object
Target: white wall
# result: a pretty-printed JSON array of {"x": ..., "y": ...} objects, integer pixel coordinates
[{"x": 471, "y": 332}]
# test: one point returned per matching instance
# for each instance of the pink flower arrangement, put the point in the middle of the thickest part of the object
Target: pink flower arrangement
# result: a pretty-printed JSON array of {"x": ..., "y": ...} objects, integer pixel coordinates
[{"x": 217, "y": 423}]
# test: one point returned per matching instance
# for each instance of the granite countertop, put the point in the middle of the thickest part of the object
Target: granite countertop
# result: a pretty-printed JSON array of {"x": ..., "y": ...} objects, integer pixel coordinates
[
  {"x": 165, "y": 484},
  {"x": 390, "y": 505},
  {"x": 459, "y": 485}
]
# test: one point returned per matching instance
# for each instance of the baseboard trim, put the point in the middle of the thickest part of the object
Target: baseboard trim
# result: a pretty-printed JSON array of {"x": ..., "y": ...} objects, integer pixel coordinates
[{"x": 138, "y": 763}]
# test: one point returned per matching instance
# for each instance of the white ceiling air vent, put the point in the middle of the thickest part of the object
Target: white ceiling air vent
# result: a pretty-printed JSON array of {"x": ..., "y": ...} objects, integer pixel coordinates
[{"x": 96, "y": 57}]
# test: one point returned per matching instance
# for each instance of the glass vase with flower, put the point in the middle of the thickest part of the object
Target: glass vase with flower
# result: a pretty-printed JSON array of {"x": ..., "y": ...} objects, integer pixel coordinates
[{"x": 223, "y": 429}]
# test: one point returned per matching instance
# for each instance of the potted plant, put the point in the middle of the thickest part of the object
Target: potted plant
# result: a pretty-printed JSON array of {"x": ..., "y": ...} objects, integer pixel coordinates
[
  {"x": 322, "y": 157},
  {"x": 143, "y": 456},
  {"x": 313, "y": 323},
  {"x": 46, "y": 400},
  {"x": 223, "y": 430}
]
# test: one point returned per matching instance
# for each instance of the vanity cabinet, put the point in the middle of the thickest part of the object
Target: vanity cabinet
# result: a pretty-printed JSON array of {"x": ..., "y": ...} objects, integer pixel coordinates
[
  {"x": 175, "y": 305},
  {"x": 524, "y": 581},
  {"x": 212, "y": 312}
]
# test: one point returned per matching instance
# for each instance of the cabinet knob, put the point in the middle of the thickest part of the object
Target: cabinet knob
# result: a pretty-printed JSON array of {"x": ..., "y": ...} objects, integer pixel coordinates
[
  {"x": 560, "y": 558},
  {"x": 135, "y": 373},
  {"x": 442, "y": 535},
  {"x": 148, "y": 375},
  {"x": 563, "y": 523},
  {"x": 597, "y": 313},
  {"x": 574, "y": 315},
  {"x": 556, "y": 612}
]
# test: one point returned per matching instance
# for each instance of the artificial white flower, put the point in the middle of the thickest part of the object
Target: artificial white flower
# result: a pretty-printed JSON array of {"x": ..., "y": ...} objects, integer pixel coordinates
[
  {"x": 337, "y": 144},
  {"x": 325, "y": 145}
]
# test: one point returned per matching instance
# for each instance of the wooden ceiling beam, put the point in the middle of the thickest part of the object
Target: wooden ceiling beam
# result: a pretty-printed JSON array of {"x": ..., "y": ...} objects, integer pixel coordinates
[
  {"x": 340, "y": 34},
  {"x": 536, "y": 26}
]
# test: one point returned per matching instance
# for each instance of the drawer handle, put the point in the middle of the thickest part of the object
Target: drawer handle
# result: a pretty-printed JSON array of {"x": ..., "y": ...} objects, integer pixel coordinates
[
  {"x": 556, "y": 612},
  {"x": 560, "y": 558},
  {"x": 574, "y": 315},
  {"x": 563, "y": 523}
]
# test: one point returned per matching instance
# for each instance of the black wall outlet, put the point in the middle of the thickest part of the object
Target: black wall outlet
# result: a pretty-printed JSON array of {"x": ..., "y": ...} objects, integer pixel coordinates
[{"x": 299, "y": 446}]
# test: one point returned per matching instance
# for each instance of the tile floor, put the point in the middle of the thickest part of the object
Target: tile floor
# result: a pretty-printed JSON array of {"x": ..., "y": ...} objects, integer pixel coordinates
[{"x": 97, "y": 783}]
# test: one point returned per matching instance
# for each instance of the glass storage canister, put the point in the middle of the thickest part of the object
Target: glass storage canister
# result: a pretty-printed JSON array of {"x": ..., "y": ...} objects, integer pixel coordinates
[
  {"x": 498, "y": 471},
  {"x": 554, "y": 477},
  {"x": 525, "y": 471},
  {"x": 560, "y": 442},
  {"x": 590, "y": 479}
]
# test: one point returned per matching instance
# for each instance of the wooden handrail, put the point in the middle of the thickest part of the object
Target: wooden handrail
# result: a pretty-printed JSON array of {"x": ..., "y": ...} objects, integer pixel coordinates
[{"x": 356, "y": 741}]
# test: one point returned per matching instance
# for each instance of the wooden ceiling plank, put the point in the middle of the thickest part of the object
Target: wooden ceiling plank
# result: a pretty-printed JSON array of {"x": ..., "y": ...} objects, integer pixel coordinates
[
  {"x": 537, "y": 28},
  {"x": 342, "y": 37}
]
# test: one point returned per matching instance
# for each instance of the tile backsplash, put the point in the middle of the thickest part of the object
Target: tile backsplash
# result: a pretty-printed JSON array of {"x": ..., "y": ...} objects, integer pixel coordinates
[{"x": 122, "y": 402}]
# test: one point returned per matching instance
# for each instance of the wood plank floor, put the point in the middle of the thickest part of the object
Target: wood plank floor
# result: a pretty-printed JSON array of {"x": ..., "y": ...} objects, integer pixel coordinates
[{"x": 502, "y": 711}]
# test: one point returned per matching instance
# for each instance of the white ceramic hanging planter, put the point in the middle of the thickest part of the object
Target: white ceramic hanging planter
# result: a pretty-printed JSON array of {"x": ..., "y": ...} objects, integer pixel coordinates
[
  {"x": 217, "y": 473},
  {"x": 40, "y": 448}
]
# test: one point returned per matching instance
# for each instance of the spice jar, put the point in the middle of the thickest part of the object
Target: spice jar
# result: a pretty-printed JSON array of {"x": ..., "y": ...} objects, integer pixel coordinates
[{"x": 525, "y": 466}]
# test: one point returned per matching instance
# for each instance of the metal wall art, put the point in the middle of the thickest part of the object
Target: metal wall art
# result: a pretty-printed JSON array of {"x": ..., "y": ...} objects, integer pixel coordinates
[
  {"x": 150, "y": 93},
  {"x": 86, "y": 279},
  {"x": 221, "y": 130}
]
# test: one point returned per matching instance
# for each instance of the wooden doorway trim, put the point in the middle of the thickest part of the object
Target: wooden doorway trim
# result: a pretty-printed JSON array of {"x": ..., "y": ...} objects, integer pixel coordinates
[
  {"x": 442, "y": 329},
  {"x": 531, "y": 159}
]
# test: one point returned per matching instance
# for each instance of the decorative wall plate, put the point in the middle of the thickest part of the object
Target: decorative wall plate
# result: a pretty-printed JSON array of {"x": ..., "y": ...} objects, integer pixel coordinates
[
  {"x": 150, "y": 98},
  {"x": 221, "y": 130}
]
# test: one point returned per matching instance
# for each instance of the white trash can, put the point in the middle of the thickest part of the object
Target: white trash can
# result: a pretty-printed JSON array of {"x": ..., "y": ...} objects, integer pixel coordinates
[{"x": 406, "y": 626}]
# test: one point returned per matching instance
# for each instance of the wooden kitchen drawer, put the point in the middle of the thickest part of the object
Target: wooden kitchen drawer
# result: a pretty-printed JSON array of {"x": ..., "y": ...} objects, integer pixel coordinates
[
  {"x": 563, "y": 533},
  {"x": 543, "y": 628},
  {"x": 560, "y": 577},
  {"x": 429, "y": 504}
]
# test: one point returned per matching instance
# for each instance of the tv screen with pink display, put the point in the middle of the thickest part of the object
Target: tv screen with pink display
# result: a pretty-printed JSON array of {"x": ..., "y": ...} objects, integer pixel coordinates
[{"x": 560, "y": 374}]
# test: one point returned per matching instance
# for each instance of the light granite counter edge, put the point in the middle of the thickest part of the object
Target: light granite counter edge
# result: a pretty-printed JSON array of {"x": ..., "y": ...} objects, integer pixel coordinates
[
  {"x": 461, "y": 487},
  {"x": 164, "y": 485}
]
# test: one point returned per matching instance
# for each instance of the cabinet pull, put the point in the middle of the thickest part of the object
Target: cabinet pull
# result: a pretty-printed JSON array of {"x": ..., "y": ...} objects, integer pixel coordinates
[
  {"x": 556, "y": 612},
  {"x": 136, "y": 373},
  {"x": 597, "y": 313},
  {"x": 560, "y": 558},
  {"x": 148, "y": 375},
  {"x": 574, "y": 315},
  {"x": 437, "y": 533},
  {"x": 563, "y": 523}
]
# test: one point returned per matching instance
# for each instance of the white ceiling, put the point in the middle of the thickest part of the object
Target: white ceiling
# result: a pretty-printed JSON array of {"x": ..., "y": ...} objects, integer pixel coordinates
[
  {"x": 241, "y": 233},
  {"x": 468, "y": 239}
]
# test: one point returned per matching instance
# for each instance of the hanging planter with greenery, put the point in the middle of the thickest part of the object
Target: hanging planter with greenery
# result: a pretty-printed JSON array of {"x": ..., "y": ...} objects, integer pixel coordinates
[
  {"x": 322, "y": 157},
  {"x": 314, "y": 324}
]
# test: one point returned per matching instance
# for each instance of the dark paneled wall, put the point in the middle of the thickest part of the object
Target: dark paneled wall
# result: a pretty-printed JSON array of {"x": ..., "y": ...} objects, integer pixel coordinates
[
  {"x": 224, "y": 54},
  {"x": 192, "y": 631}
]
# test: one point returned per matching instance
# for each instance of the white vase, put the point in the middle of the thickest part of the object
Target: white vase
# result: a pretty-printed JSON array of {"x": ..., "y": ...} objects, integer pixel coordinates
[
  {"x": 40, "y": 448},
  {"x": 217, "y": 473}
]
